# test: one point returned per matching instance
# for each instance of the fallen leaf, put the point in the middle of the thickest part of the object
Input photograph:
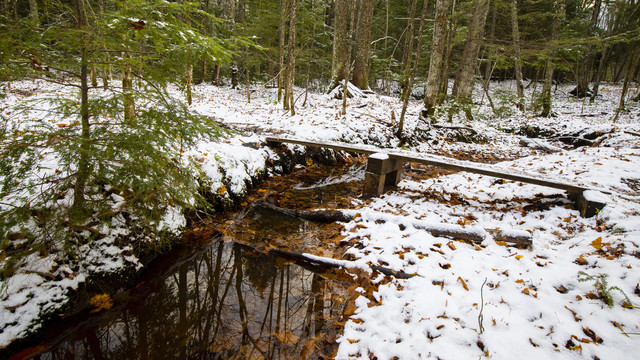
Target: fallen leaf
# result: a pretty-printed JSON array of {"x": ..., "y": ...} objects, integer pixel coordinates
[
  {"x": 518, "y": 257},
  {"x": 286, "y": 337},
  {"x": 222, "y": 190},
  {"x": 464, "y": 284},
  {"x": 525, "y": 291},
  {"x": 101, "y": 302},
  {"x": 597, "y": 243},
  {"x": 451, "y": 245},
  {"x": 581, "y": 261}
]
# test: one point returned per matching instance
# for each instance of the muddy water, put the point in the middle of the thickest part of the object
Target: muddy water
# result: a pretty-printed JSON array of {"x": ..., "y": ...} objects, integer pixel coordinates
[{"x": 224, "y": 300}]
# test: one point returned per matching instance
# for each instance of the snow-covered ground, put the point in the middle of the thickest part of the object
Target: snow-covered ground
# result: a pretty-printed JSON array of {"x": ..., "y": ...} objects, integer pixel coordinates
[{"x": 466, "y": 301}]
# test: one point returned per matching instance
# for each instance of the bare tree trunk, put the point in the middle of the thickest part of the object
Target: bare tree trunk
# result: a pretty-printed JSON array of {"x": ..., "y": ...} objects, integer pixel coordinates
[
  {"x": 516, "y": 49},
  {"x": 632, "y": 72},
  {"x": 281, "y": 39},
  {"x": 291, "y": 59},
  {"x": 33, "y": 9},
  {"x": 340, "y": 61},
  {"x": 363, "y": 46},
  {"x": 463, "y": 85},
  {"x": 548, "y": 74},
  {"x": 345, "y": 92},
  {"x": 437, "y": 53},
  {"x": 409, "y": 78},
  {"x": 452, "y": 29},
  {"x": 84, "y": 169},
  {"x": 490, "y": 51}
]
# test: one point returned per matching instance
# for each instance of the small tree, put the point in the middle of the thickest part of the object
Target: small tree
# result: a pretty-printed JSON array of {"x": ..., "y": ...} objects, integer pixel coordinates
[{"x": 63, "y": 183}]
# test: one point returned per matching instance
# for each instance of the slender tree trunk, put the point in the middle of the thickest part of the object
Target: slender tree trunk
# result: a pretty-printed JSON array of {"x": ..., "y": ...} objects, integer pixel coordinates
[
  {"x": 339, "y": 60},
  {"x": 631, "y": 73},
  {"x": 463, "y": 85},
  {"x": 84, "y": 169},
  {"x": 490, "y": 52},
  {"x": 33, "y": 9},
  {"x": 363, "y": 46},
  {"x": 602, "y": 66},
  {"x": 451, "y": 31},
  {"x": 345, "y": 90},
  {"x": 437, "y": 54},
  {"x": 515, "y": 32},
  {"x": 291, "y": 59},
  {"x": 548, "y": 74},
  {"x": 409, "y": 78},
  {"x": 282, "y": 30}
]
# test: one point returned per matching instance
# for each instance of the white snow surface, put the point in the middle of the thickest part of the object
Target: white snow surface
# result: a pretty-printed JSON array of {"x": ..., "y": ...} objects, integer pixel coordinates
[{"x": 466, "y": 301}]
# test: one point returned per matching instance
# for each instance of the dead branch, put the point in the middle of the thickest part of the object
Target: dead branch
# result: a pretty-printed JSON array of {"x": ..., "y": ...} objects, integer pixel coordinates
[
  {"x": 322, "y": 216},
  {"x": 454, "y": 127},
  {"x": 632, "y": 132}
]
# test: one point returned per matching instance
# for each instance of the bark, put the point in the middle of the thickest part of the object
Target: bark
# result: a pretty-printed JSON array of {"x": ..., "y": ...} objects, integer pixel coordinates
[
  {"x": 548, "y": 75},
  {"x": 444, "y": 81},
  {"x": 492, "y": 39},
  {"x": 463, "y": 85},
  {"x": 409, "y": 78},
  {"x": 339, "y": 60},
  {"x": 33, "y": 9},
  {"x": 363, "y": 45},
  {"x": 345, "y": 92},
  {"x": 127, "y": 89},
  {"x": 453, "y": 232},
  {"x": 288, "y": 102},
  {"x": 84, "y": 169},
  {"x": 631, "y": 73},
  {"x": 281, "y": 39},
  {"x": 437, "y": 53},
  {"x": 515, "y": 34},
  {"x": 323, "y": 216}
]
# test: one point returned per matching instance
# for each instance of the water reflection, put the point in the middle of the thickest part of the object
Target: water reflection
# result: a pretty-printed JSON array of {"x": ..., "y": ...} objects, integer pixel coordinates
[{"x": 225, "y": 302}]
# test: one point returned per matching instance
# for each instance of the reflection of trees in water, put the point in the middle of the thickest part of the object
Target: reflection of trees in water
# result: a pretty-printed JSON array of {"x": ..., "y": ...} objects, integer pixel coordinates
[{"x": 218, "y": 305}]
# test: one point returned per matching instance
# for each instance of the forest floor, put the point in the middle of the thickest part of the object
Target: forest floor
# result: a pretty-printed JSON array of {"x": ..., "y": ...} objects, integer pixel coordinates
[{"x": 466, "y": 300}]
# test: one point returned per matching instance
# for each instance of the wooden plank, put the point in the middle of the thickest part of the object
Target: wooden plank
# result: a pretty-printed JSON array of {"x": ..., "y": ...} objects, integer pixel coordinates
[
  {"x": 441, "y": 162},
  {"x": 368, "y": 150}
]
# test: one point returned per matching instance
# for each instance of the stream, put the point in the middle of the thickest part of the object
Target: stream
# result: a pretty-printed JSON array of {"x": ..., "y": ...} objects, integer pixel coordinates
[{"x": 222, "y": 299}]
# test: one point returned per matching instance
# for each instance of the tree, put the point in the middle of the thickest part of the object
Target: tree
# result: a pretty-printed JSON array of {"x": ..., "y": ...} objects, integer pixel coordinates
[
  {"x": 411, "y": 70},
  {"x": 103, "y": 149},
  {"x": 434, "y": 80},
  {"x": 288, "y": 101},
  {"x": 340, "y": 60},
  {"x": 363, "y": 45},
  {"x": 463, "y": 85},
  {"x": 515, "y": 33},
  {"x": 548, "y": 74}
]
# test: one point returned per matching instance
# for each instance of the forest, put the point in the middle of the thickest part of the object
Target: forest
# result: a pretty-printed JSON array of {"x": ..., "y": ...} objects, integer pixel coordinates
[{"x": 138, "y": 171}]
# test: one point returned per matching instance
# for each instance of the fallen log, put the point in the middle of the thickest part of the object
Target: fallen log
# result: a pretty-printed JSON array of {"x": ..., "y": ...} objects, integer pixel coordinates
[
  {"x": 470, "y": 234},
  {"x": 538, "y": 145},
  {"x": 322, "y": 215},
  {"x": 456, "y": 127},
  {"x": 335, "y": 263}
]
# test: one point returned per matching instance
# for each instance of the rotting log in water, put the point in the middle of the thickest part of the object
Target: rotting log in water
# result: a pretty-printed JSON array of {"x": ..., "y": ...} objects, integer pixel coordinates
[
  {"x": 321, "y": 264},
  {"x": 322, "y": 216},
  {"x": 474, "y": 235}
]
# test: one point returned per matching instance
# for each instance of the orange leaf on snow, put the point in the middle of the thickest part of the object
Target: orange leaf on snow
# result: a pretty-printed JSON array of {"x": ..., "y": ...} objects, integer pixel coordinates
[
  {"x": 597, "y": 243},
  {"x": 451, "y": 245},
  {"x": 464, "y": 284},
  {"x": 581, "y": 261},
  {"x": 222, "y": 190}
]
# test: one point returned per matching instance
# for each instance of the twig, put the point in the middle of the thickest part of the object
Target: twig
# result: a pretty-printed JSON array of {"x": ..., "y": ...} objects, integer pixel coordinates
[{"x": 481, "y": 316}]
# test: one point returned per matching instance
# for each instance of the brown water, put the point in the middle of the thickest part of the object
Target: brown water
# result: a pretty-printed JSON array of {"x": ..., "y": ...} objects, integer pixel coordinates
[{"x": 225, "y": 300}]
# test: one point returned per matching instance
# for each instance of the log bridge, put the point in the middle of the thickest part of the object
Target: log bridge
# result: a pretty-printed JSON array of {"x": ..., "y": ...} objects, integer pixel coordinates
[{"x": 384, "y": 168}]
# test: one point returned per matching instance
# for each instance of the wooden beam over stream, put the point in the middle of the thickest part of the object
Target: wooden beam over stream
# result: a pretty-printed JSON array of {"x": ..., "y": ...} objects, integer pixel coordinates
[{"x": 576, "y": 192}]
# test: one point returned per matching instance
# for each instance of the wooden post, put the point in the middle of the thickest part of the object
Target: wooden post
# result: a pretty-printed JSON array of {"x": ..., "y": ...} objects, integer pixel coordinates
[
  {"x": 590, "y": 202},
  {"x": 382, "y": 172}
]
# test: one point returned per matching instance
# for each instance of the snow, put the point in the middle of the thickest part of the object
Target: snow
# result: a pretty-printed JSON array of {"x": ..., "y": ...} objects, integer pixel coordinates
[{"x": 466, "y": 300}]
